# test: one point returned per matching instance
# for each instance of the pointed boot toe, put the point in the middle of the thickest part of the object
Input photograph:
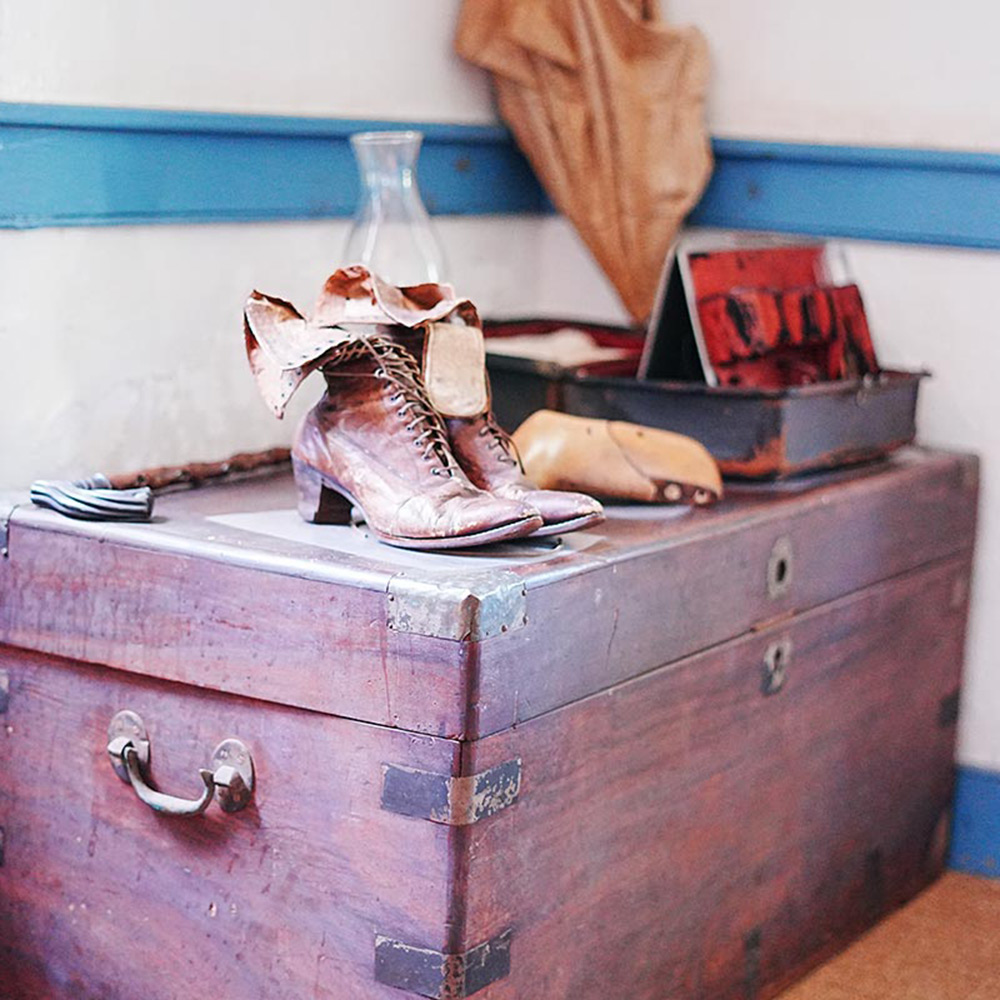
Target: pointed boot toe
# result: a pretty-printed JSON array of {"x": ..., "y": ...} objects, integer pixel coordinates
[
  {"x": 468, "y": 519},
  {"x": 561, "y": 511},
  {"x": 489, "y": 457}
]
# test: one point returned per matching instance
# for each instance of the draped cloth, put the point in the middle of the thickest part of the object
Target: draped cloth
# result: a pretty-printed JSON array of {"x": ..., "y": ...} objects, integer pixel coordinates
[{"x": 606, "y": 100}]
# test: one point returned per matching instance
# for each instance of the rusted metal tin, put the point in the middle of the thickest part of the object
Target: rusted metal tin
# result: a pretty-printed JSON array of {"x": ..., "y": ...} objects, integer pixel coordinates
[
  {"x": 752, "y": 433},
  {"x": 757, "y": 434}
]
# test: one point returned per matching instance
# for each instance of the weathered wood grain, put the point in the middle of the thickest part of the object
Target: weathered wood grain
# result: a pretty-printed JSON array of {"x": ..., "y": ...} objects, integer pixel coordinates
[
  {"x": 657, "y": 592},
  {"x": 101, "y": 898},
  {"x": 200, "y": 621},
  {"x": 639, "y": 592},
  {"x": 675, "y": 832},
  {"x": 684, "y": 835}
]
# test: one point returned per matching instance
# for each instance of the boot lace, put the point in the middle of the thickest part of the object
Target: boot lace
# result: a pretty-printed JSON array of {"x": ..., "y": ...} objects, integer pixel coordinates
[
  {"x": 399, "y": 369},
  {"x": 500, "y": 441}
]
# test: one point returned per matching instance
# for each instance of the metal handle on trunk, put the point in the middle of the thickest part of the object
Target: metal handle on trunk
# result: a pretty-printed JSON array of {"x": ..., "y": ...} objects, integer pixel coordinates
[{"x": 231, "y": 773}]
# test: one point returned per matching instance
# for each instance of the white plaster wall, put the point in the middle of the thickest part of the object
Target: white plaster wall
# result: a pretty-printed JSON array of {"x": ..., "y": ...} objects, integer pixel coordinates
[
  {"x": 889, "y": 72},
  {"x": 123, "y": 346},
  {"x": 390, "y": 59},
  {"x": 570, "y": 284},
  {"x": 885, "y": 72},
  {"x": 864, "y": 71}
]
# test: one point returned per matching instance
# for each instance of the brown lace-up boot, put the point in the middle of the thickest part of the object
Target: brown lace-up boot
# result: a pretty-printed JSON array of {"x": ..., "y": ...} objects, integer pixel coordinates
[
  {"x": 375, "y": 442},
  {"x": 488, "y": 455},
  {"x": 443, "y": 333},
  {"x": 453, "y": 363}
]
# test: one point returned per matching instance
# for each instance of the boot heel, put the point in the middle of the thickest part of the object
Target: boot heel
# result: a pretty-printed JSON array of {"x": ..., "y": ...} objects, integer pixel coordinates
[{"x": 319, "y": 503}]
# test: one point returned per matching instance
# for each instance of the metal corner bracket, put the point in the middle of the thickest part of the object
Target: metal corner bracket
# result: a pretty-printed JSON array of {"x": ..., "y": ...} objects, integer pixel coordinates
[
  {"x": 482, "y": 606},
  {"x": 440, "y": 975},
  {"x": 451, "y": 801}
]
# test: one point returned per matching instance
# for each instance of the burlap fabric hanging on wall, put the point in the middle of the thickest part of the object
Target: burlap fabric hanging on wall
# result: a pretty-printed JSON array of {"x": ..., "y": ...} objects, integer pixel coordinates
[{"x": 607, "y": 101}]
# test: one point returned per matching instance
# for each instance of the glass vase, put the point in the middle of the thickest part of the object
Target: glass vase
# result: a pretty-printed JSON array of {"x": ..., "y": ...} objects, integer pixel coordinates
[{"x": 392, "y": 233}]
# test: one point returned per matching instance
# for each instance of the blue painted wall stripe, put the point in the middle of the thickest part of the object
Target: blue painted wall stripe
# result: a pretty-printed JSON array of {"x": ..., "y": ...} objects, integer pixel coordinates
[
  {"x": 64, "y": 165},
  {"x": 874, "y": 156},
  {"x": 899, "y": 195},
  {"x": 975, "y": 838}
]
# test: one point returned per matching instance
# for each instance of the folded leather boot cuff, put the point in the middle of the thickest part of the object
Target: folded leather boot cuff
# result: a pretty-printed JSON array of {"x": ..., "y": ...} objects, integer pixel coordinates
[
  {"x": 283, "y": 346},
  {"x": 357, "y": 295}
]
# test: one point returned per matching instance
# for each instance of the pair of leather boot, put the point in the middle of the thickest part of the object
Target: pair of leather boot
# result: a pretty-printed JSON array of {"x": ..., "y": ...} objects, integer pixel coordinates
[{"x": 404, "y": 432}]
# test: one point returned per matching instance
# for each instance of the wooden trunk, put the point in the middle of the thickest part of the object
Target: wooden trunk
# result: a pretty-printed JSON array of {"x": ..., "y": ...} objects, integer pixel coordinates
[{"x": 687, "y": 755}]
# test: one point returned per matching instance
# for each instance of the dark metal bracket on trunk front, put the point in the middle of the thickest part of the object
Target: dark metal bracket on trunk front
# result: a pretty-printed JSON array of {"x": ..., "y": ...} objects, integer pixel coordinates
[
  {"x": 453, "y": 801},
  {"x": 441, "y": 975}
]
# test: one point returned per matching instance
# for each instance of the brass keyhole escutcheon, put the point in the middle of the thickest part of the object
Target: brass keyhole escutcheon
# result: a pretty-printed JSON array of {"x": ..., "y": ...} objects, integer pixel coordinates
[
  {"x": 777, "y": 658},
  {"x": 779, "y": 568}
]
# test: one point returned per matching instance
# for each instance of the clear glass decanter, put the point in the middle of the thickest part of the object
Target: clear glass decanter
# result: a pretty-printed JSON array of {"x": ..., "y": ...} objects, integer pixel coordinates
[{"x": 392, "y": 233}]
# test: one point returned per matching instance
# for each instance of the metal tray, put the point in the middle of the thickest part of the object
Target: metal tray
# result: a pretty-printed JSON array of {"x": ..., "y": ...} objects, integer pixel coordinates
[{"x": 753, "y": 433}]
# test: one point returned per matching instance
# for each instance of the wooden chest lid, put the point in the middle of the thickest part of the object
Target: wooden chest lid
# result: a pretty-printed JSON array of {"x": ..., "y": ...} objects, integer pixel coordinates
[{"x": 228, "y": 589}]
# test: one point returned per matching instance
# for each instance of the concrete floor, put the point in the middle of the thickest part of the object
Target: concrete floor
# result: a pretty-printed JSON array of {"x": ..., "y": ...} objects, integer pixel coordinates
[{"x": 945, "y": 945}]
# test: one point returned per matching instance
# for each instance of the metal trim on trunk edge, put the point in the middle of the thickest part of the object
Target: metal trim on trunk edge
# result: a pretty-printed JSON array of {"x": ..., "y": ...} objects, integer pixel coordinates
[
  {"x": 440, "y": 976},
  {"x": 451, "y": 801},
  {"x": 8, "y": 504},
  {"x": 469, "y": 610}
]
